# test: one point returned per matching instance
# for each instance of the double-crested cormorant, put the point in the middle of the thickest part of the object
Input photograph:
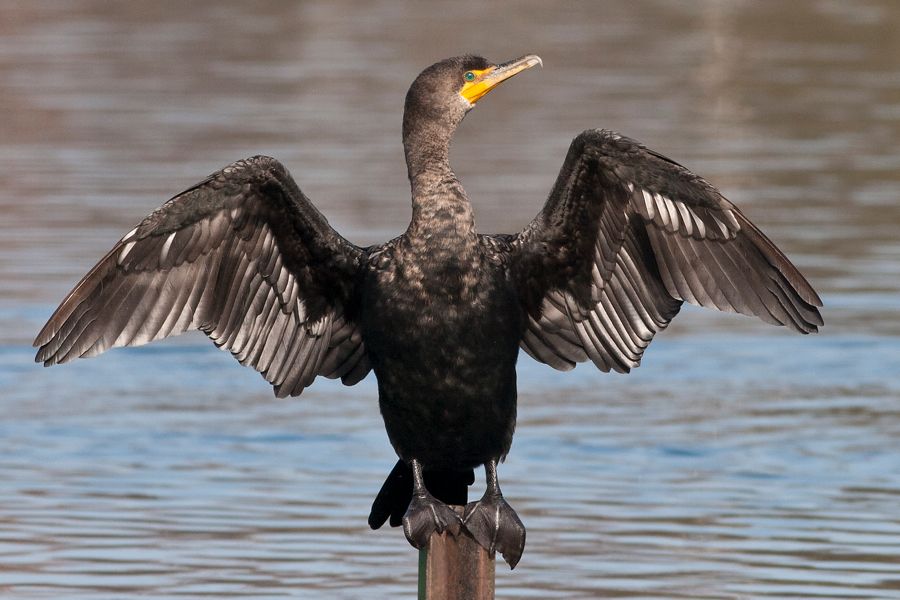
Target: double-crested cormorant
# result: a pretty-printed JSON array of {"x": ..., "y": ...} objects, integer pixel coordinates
[{"x": 440, "y": 312}]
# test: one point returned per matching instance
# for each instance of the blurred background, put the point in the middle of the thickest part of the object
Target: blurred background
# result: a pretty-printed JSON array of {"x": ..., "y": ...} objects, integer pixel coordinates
[{"x": 740, "y": 461}]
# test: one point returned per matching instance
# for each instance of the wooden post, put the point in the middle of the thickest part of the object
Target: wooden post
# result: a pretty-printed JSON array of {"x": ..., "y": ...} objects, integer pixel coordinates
[{"x": 455, "y": 568}]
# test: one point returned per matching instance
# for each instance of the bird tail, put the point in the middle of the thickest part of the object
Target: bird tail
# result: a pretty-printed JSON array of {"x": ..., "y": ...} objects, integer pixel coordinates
[{"x": 450, "y": 487}]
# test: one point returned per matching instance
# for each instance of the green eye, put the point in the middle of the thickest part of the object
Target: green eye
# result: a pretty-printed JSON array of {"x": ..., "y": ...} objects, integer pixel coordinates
[{"x": 469, "y": 76}]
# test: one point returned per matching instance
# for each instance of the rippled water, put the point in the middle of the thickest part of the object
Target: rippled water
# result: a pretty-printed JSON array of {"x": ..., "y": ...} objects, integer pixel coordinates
[{"x": 738, "y": 462}]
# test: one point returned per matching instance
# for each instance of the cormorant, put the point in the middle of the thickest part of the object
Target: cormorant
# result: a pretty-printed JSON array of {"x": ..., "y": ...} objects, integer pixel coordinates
[{"x": 440, "y": 312}]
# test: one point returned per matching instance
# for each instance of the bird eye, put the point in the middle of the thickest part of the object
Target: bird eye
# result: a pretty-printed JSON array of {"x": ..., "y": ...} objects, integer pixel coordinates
[{"x": 469, "y": 76}]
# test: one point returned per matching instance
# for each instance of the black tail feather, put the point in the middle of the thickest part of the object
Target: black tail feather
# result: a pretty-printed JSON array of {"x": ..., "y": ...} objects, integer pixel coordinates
[{"x": 450, "y": 487}]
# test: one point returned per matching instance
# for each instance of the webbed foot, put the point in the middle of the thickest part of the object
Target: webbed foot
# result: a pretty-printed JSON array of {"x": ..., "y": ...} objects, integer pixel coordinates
[
  {"x": 426, "y": 514},
  {"x": 496, "y": 526}
]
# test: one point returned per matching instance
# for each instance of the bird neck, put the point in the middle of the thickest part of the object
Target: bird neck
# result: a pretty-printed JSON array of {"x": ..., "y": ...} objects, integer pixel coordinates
[
  {"x": 441, "y": 210},
  {"x": 442, "y": 213},
  {"x": 427, "y": 149}
]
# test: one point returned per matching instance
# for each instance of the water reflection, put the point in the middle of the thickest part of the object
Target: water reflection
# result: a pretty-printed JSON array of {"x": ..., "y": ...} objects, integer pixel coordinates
[{"x": 743, "y": 462}]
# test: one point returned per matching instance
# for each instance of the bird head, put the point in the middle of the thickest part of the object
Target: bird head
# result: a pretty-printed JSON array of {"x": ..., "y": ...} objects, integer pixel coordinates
[
  {"x": 441, "y": 96},
  {"x": 447, "y": 90}
]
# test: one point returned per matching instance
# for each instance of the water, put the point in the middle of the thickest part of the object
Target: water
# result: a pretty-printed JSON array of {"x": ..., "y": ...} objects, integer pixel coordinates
[{"x": 738, "y": 462}]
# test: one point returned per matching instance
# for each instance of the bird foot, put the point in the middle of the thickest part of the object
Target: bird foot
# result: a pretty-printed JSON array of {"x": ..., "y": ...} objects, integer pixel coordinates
[
  {"x": 496, "y": 527},
  {"x": 426, "y": 515}
]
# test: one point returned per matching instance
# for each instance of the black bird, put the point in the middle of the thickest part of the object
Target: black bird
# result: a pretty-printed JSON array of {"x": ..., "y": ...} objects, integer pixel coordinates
[{"x": 440, "y": 312}]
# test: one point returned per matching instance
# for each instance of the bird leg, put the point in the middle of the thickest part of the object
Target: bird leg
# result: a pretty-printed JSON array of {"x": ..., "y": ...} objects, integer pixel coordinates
[
  {"x": 426, "y": 514},
  {"x": 493, "y": 523}
]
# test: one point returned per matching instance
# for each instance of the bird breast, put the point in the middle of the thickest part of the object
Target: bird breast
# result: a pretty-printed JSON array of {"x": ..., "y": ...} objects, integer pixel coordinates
[{"x": 427, "y": 274}]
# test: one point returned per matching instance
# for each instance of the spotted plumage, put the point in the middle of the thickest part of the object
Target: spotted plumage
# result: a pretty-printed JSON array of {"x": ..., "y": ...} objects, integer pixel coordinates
[{"x": 439, "y": 313}]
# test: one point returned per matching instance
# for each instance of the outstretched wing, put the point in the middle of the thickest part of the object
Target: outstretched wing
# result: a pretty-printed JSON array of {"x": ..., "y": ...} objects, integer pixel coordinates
[
  {"x": 625, "y": 237},
  {"x": 242, "y": 256}
]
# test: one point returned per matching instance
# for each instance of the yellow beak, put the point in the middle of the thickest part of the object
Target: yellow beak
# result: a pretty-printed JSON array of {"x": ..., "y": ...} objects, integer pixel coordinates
[{"x": 490, "y": 78}]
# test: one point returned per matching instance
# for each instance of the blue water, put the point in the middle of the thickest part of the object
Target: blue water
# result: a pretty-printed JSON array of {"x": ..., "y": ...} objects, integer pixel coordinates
[
  {"x": 709, "y": 472},
  {"x": 739, "y": 461}
]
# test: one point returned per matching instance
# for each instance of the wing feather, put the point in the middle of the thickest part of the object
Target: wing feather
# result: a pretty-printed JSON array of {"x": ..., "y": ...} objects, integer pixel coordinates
[
  {"x": 244, "y": 257},
  {"x": 625, "y": 237}
]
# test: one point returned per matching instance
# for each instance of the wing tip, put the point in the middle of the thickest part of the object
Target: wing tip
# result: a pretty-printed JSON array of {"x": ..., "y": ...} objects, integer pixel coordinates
[
  {"x": 43, "y": 355},
  {"x": 807, "y": 327},
  {"x": 47, "y": 332}
]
